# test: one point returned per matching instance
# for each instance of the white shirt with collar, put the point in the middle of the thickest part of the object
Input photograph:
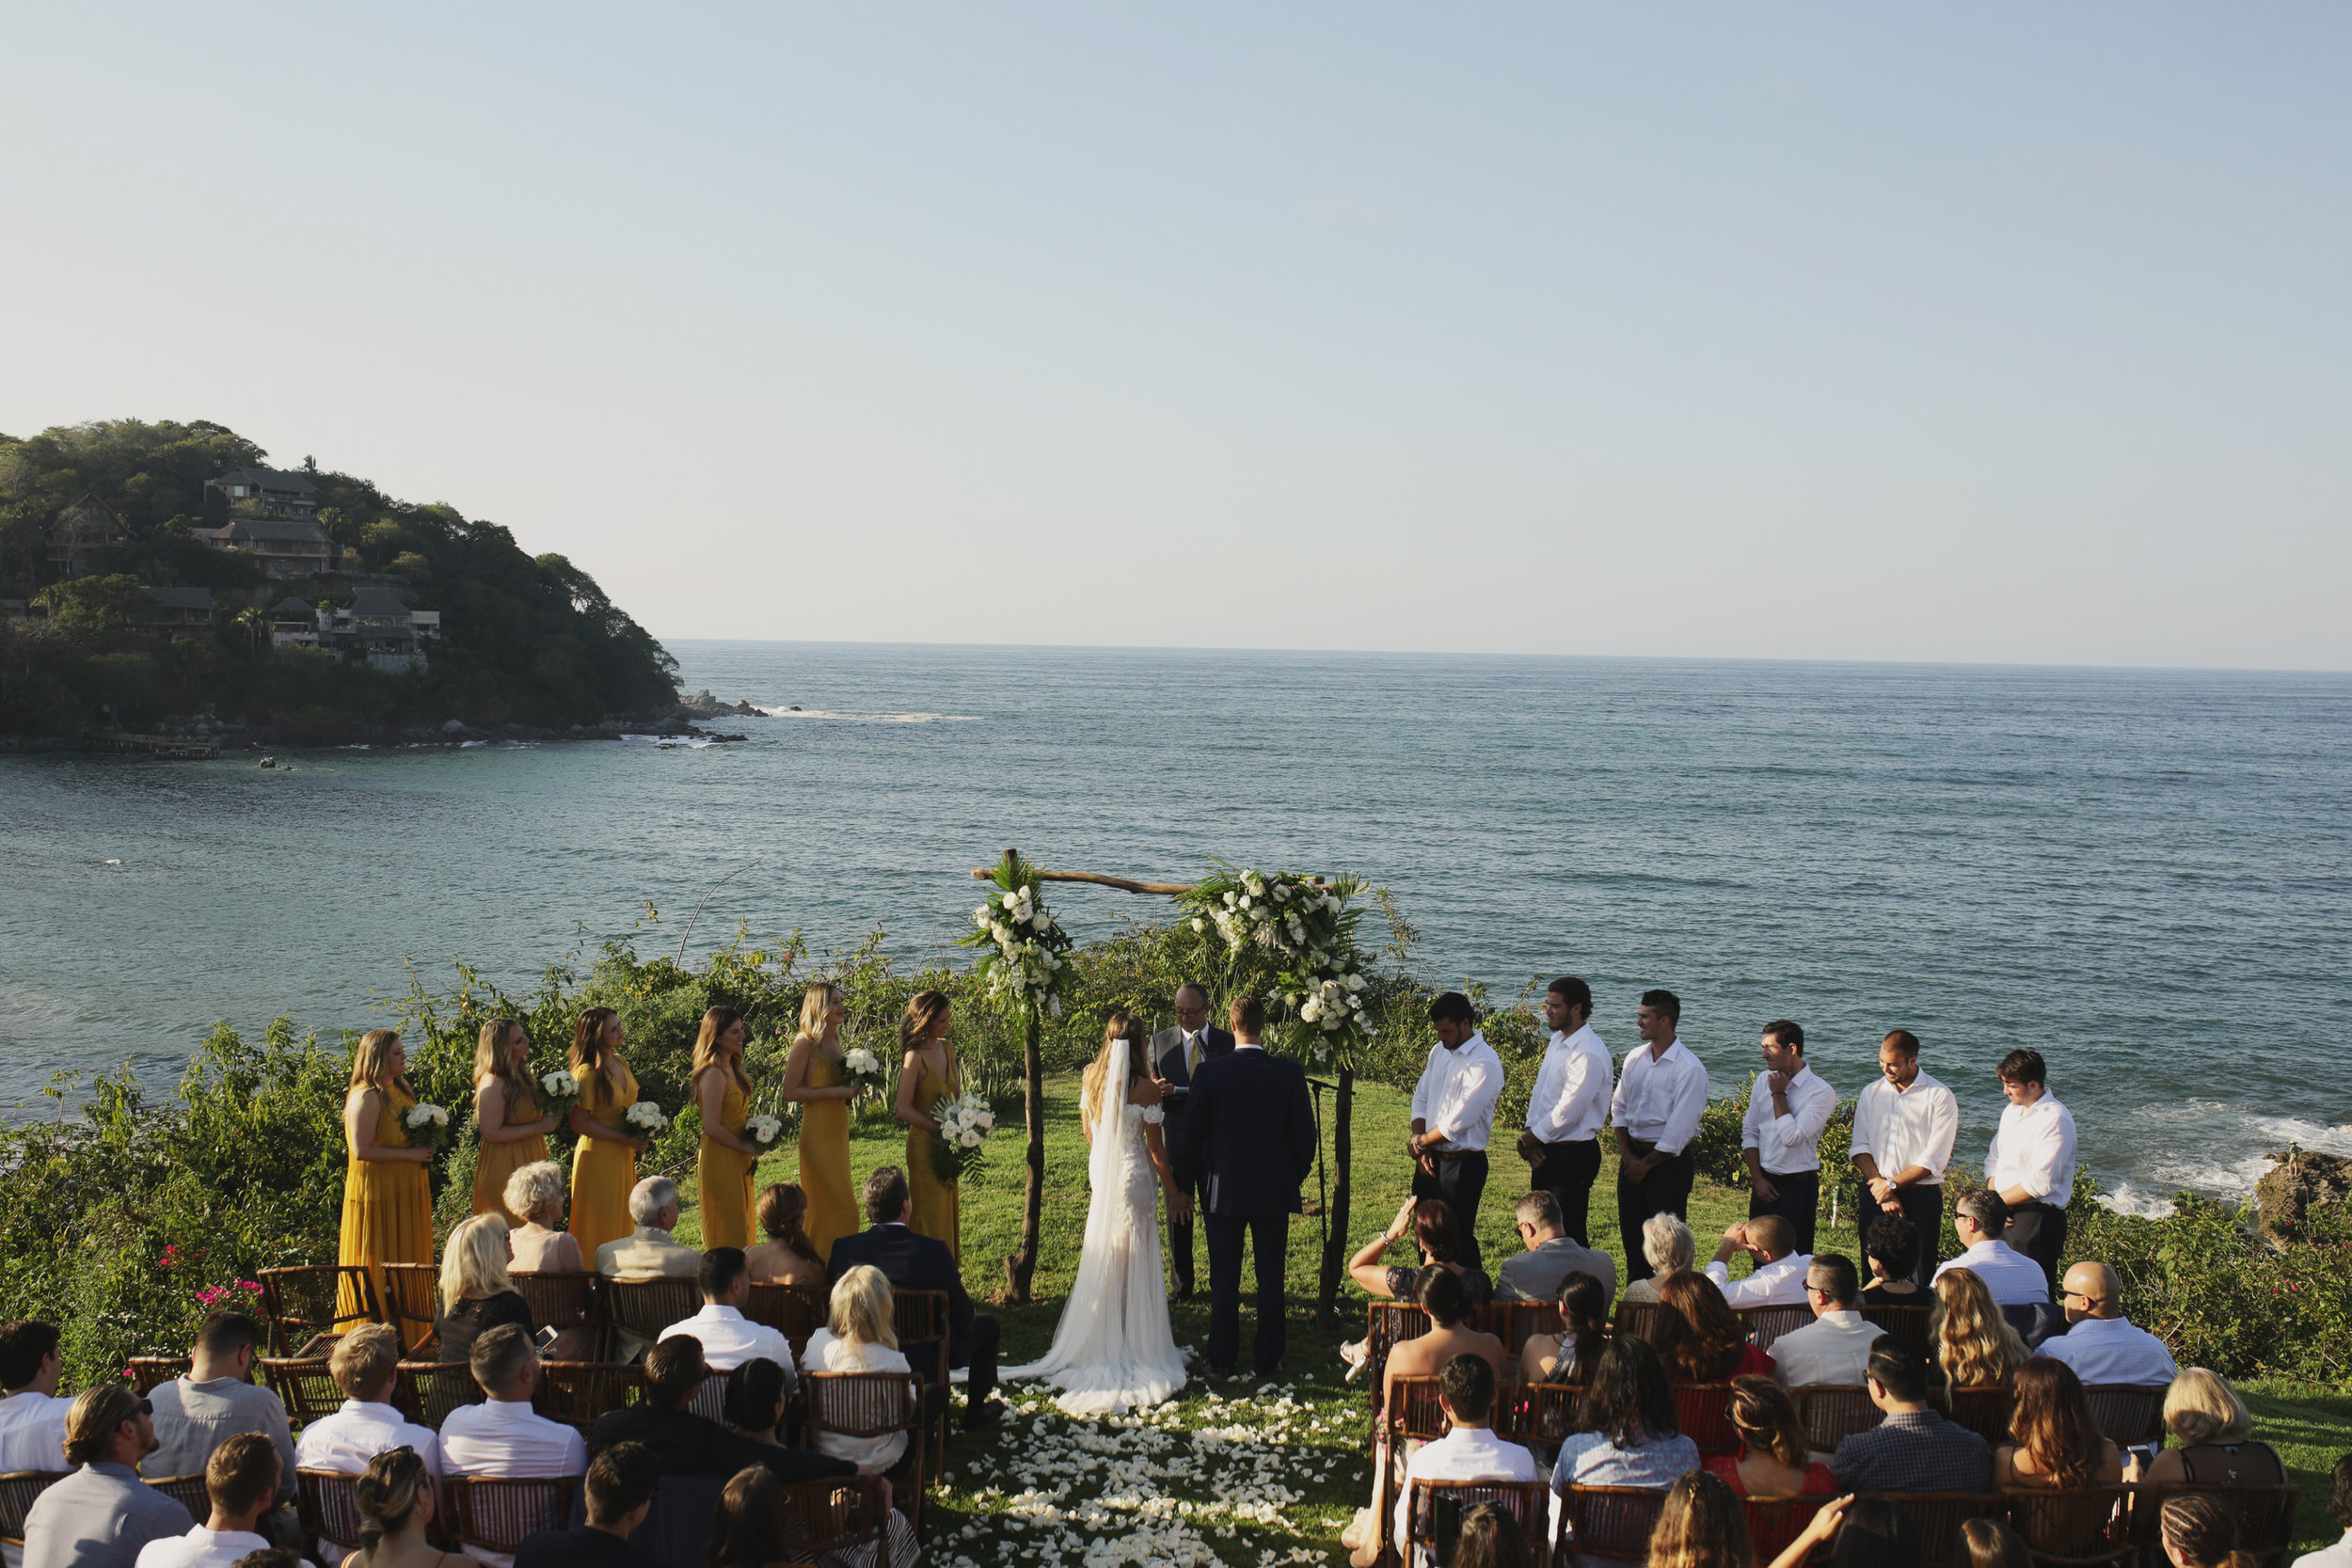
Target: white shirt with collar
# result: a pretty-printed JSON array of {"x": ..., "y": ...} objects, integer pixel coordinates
[
  {"x": 1829, "y": 1352},
  {"x": 1778, "y": 1283},
  {"x": 1464, "y": 1453},
  {"x": 2014, "y": 1279},
  {"x": 2034, "y": 1149},
  {"x": 1456, "y": 1096},
  {"x": 1571, "y": 1099},
  {"x": 1910, "y": 1126},
  {"x": 729, "y": 1340},
  {"x": 202, "y": 1549},
  {"x": 1659, "y": 1099},
  {"x": 345, "y": 1441},
  {"x": 1787, "y": 1144},
  {"x": 2337, "y": 1556},
  {"x": 2112, "y": 1351},
  {"x": 507, "y": 1438},
  {"x": 32, "y": 1432}
]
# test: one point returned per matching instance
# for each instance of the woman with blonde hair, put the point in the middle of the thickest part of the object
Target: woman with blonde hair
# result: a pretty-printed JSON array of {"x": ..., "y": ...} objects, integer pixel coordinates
[
  {"x": 476, "y": 1293},
  {"x": 1771, "y": 1458},
  {"x": 2056, "y": 1444},
  {"x": 787, "y": 1256},
  {"x": 396, "y": 1500},
  {"x": 505, "y": 1114},
  {"x": 539, "y": 1244},
  {"x": 388, "y": 1199},
  {"x": 815, "y": 1075},
  {"x": 604, "y": 1166},
  {"x": 1701, "y": 1526},
  {"x": 2211, "y": 1442},
  {"x": 1975, "y": 1345},
  {"x": 928, "y": 1073},
  {"x": 859, "y": 1337},
  {"x": 723, "y": 1170}
]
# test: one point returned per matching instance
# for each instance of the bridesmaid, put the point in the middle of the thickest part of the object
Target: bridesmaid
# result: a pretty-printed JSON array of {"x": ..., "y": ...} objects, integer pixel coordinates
[
  {"x": 604, "y": 1167},
  {"x": 724, "y": 1168},
  {"x": 388, "y": 1199},
  {"x": 928, "y": 1072},
  {"x": 506, "y": 1112},
  {"x": 814, "y": 1075}
]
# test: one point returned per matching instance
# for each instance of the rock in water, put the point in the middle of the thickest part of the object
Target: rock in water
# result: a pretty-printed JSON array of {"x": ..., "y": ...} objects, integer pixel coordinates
[{"x": 2287, "y": 1194}]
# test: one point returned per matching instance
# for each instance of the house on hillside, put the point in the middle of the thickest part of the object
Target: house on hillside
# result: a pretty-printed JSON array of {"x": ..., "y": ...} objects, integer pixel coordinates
[
  {"x": 284, "y": 548},
  {"x": 379, "y": 623},
  {"x": 179, "y": 608},
  {"x": 293, "y": 624},
  {"x": 81, "y": 535},
  {"x": 268, "y": 493}
]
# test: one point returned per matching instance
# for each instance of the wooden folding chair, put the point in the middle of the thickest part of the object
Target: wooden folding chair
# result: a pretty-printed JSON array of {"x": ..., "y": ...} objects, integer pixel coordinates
[
  {"x": 412, "y": 1303},
  {"x": 709, "y": 1402},
  {"x": 1387, "y": 1325},
  {"x": 1907, "y": 1323},
  {"x": 1767, "y": 1323},
  {"x": 187, "y": 1490},
  {"x": 1704, "y": 1411},
  {"x": 329, "y": 1503},
  {"x": 1633, "y": 1320},
  {"x": 795, "y": 1311},
  {"x": 1607, "y": 1521},
  {"x": 2128, "y": 1416},
  {"x": 2074, "y": 1529},
  {"x": 1774, "y": 1522},
  {"x": 642, "y": 1308},
  {"x": 494, "y": 1513},
  {"x": 1936, "y": 1517},
  {"x": 1832, "y": 1413},
  {"x": 1538, "y": 1415},
  {"x": 19, "y": 1491},
  {"x": 819, "y": 1524},
  {"x": 148, "y": 1372},
  {"x": 1515, "y": 1322},
  {"x": 920, "y": 1320},
  {"x": 312, "y": 1302},
  {"x": 1433, "y": 1509},
  {"x": 868, "y": 1405},
  {"x": 577, "y": 1393},
  {"x": 1985, "y": 1410},
  {"x": 2264, "y": 1515},
  {"x": 304, "y": 1385},
  {"x": 427, "y": 1391},
  {"x": 564, "y": 1302},
  {"x": 1413, "y": 1412}
]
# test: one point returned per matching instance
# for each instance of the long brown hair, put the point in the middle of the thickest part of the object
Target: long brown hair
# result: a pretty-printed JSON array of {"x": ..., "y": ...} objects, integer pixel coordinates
[
  {"x": 387, "y": 1496},
  {"x": 2202, "y": 1531},
  {"x": 1122, "y": 1026},
  {"x": 1696, "y": 1334},
  {"x": 716, "y": 1023},
  {"x": 1973, "y": 1344},
  {"x": 1701, "y": 1526},
  {"x": 754, "y": 1519},
  {"x": 2053, "y": 1425},
  {"x": 588, "y": 1050},
  {"x": 782, "y": 1216},
  {"x": 1490, "y": 1538},
  {"x": 489, "y": 1061},
  {"x": 924, "y": 1008},
  {"x": 374, "y": 1054},
  {"x": 1767, "y": 1419}
]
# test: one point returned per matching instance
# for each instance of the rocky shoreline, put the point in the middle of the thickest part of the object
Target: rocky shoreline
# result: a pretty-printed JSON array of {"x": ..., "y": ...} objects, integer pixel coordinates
[{"x": 204, "y": 732}]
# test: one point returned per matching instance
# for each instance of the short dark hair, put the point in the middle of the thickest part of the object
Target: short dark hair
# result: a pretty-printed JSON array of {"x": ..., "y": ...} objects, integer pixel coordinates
[
  {"x": 1574, "y": 992},
  {"x": 1666, "y": 1002},
  {"x": 24, "y": 1344},
  {"x": 1875, "y": 1533},
  {"x": 1986, "y": 1208},
  {"x": 620, "y": 1480},
  {"x": 721, "y": 1268},
  {"x": 269, "y": 1557},
  {"x": 2340, "y": 1497},
  {"x": 1247, "y": 1013},
  {"x": 499, "y": 1355},
  {"x": 1788, "y": 1032},
  {"x": 1900, "y": 1368},
  {"x": 1452, "y": 1007},
  {"x": 886, "y": 1194},
  {"x": 1836, "y": 1272},
  {"x": 1902, "y": 1040},
  {"x": 1439, "y": 1291},
  {"x": 1436, "y": 1231},
  {"x": 1467, "y": 1385},
  {"x": 224, "y": 1333},
  {"x": 1894, "y": 1240},
  {"x": 673, "y": 1369},
  {"x": 242, "y": 1473},
  {"x": 755, "y": 1391},
  {"x": 2022, "y": 1065}
]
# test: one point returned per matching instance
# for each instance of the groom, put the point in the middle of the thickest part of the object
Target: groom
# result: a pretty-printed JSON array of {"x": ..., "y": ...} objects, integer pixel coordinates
[{"x": 1250, "y": 1134}]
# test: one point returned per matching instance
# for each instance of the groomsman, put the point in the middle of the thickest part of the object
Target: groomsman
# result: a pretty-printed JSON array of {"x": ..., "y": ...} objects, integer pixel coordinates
[
  {"x": 1454, "y": 1114},
  {"x": 1175, "y": 1054},
  {"x": 2031, "y": 1161},
  {"x": 1780, "y": 1136},
  {"x": 1903, "y": 1127},
  {"x": 1661, "y": 1095},
  {"x": 1570, "y": 1100}
]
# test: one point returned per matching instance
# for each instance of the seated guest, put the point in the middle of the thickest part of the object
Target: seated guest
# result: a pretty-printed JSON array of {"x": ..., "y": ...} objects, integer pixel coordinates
[
  {"x": 1892, "y": 1251},
  {"x": 1550, "y": 1256},
  {"x": 541, "y": 1245},
  {"x": 216, "y": 1399},
  {"x": 1669, "y": 1248},
  {"x": 858, "y": 1337},
  {"x": 1441, "y": 1294},
  {"x": 650, "y": 1252},
  {"x": 1833, "y": 1348},
  {"x": 729, "y": 1337},
  {"x": 1913, "y": 1448},
  {"x": 1868, "y": 1532},
  {"x": 103, "y": 1515},
  {"x": 1571, "y": 1355},
  {"x": 618, "y": 1493},
  {"x": 912, "y": 1262},
  {"x": 1490, "y": 1538},
  {"x": 685, "y": 1444},
  {"x": 2198, "y": 1532},
  {"x": 755, "y": 1519},
  {"x": 1991, "y": 1544},
  {"x": 2211, "y": 1446},
  {"x": 502, "y": 1438},
  {"x": 2015, "y": 1280},
  {"x": 1778, "y": 1277},
  {"x": 2057, "y": 1442},
  {"x": 787, "y": 1256},
  {"x": 1430, "y": 1221},
  {"x": 754, "y": 1402},
  {"x": 2340, "y": 1513},
  {"x": 475, "y": 1293},
  {"x": 1975, "y": 1346},
  {"x": 2100, "y": 1343},
  {"x": 364, "y": 1365},
  {"x": 1468, "y": 1450},
  {"x": 396, "y": 1507},
  {"x": 1771, "y": 1458},
  {"x": 1698, "y": 1337},
  {"x": 241, "y": 1481},
  {"x": 1631, "y": 1436},
  {"x": 32, "y": 1416},
  {"x": 1701, "y": 1526}
]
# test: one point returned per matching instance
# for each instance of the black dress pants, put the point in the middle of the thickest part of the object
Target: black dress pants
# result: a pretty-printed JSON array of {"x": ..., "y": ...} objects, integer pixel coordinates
[
  {"x": 1269, "y": 1236},
  {"x": 1179, "y": 1233},
  {"x": 1666, "y": 1190},
  {"x": 1568, "y": 1174},
  {"x": 1800, "y": 1198},
  {"x": 981, "y": 1381},
  {"x": 2038, "y": 1231},
  {"x": 1461, "y": 1180},
  {"x": 1923, "y": 1205}
]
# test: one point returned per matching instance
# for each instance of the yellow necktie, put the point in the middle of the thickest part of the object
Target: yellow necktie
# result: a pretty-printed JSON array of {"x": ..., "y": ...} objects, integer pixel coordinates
[{"x": 1192, "y": 1054}]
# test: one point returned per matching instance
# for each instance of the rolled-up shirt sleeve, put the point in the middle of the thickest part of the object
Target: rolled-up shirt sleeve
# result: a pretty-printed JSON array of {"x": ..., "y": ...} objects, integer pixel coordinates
[
  {"x": 1864, "y": 1137},
  {"x": 1690, "y": 1104},
  {"x": 1420, "y": 1089},
  {"x": 1943, "y": 1129},
  {"x": 2042, "y": 1149},
  {"x": 1469, "y": 1099},
  {"x": 1791, "y": 1142},
  {"x": 1576, "y": 1082}
]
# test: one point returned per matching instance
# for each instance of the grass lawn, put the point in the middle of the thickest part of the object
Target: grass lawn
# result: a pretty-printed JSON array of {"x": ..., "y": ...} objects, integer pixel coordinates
[{"x": 1251, "y": 1474}]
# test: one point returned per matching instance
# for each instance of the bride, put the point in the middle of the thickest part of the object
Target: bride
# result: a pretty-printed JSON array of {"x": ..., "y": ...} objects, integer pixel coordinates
[{"x": 1113, "y": 1349}]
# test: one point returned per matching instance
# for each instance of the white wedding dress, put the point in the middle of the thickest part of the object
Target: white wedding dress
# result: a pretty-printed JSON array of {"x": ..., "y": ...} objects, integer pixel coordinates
[{"x": 1113, "y": 1350}]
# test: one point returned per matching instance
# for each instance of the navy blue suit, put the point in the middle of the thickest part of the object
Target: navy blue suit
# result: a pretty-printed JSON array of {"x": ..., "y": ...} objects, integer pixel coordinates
[
  {"x": 1250, "y": 1133},
  {"x": 912, "y": 1262},
  {"x": 1168, "y": 1051}
]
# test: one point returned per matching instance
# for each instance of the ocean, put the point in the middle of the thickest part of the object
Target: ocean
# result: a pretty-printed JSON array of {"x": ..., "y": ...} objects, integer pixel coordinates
[{"x": 2143, "y": 874}]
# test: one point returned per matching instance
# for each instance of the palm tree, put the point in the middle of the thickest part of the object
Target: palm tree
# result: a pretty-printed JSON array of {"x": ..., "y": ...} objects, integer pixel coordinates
[{"x": 256, "y": 622}]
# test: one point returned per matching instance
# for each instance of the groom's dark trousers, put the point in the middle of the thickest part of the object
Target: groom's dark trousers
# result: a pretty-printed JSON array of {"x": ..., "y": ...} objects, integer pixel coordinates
[
  {"x": 1270, "y": 1237},
  {"x": 1249, "y": 1137}
]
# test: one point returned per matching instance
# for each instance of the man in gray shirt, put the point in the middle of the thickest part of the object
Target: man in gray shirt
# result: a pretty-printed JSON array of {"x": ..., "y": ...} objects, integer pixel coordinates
[
  {"x": 217, "y": 1401},
  {"x": 1550, "y": 1256},
  {"x": 101, "y": 1515}
]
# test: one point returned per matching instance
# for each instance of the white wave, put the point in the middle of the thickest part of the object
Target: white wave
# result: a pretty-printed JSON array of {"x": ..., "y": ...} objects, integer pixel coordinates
[
  {"x": 856, "y": 716},
  {"x": 673, "y": 742}
]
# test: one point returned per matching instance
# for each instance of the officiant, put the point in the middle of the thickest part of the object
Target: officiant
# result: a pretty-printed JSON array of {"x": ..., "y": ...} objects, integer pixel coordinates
[
  {"x": 1454, "y": 1114},
  {"x": 1175, "y": 1054}
]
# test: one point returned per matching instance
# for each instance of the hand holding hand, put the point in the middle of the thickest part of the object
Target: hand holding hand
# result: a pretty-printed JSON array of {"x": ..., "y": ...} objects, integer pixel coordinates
[
  {"x": 1881, "y": 1189},
  {"x": 1179, "y": 1205}
]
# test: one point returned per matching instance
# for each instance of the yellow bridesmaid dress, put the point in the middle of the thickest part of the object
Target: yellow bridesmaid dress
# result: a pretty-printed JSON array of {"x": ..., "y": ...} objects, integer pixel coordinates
[
  {"x": 388, "y": 1205},
  {"x": 936, "y": 1213},
  {"x": 825, "y": 1160},
  {"x": 724, "y": 1174},
  {"x": 603, "y": 1173},
  {"x": 497, "y": 1161}
]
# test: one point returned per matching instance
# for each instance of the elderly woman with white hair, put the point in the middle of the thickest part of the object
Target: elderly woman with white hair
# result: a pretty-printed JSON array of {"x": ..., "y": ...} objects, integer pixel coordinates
[
  {"x": 476, "y": 1293},
  {"x": 1667, "y": 1244},
  {"x": 540, "y": 1244}
]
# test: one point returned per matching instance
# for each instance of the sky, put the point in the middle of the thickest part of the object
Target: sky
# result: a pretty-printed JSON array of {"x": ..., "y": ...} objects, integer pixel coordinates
[{"x": 1988, "y": 334}]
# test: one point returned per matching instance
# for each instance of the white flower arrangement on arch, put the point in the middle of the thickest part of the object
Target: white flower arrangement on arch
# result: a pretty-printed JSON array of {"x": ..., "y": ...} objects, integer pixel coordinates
[
  {"x": 1292, "y": 937},
  {"x": 1021, "y": 946}
]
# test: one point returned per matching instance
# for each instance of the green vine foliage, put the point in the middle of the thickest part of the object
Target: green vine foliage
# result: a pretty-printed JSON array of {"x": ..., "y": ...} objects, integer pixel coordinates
[{"x": 1291, "y": 939}]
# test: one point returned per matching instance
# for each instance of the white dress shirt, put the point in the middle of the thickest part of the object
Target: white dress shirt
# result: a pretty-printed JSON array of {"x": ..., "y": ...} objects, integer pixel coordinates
[
  {"x": 2111, "y": 1351},
  {"x": 1778, "y": 1283},
  {"x": 1571, "y": 1099},
  {"x": 1659, "y": 1099},
  {"x": 729, "y": 1340},
  {"x": 1464, "y": 1453},
  {"x": 2014, "y": 1279},
  {"x": 32, "y": 1432},
  {"x": 506, "y": 1439},
  {"x": 1791, "y": 1144},
  {"x": 204, "y": 1548},
  {"x": 1902, "y": 1128},
  {"x": 1829, "y": 1352},
  {"x": 2337, "y": 1556},
  {"x": 2034, "y": 1149},
  {"x": 345, "y": 1441},
  {"x": 826, "y": 1353},
  {"x": 1456, "y": 1096}
]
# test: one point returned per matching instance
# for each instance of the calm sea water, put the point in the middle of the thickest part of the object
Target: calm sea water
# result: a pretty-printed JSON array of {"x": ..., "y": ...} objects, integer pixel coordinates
[{"x": 2145, "y": 874}]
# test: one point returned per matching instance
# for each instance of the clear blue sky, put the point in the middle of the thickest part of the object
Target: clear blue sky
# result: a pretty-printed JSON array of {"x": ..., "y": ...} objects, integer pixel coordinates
[{"x": 1996, "y": 333}]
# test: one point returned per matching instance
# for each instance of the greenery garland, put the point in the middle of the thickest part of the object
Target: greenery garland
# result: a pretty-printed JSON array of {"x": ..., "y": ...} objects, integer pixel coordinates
[
  {"x": 1020, "y": 943},
  {"x": 1292, "y": 939}
]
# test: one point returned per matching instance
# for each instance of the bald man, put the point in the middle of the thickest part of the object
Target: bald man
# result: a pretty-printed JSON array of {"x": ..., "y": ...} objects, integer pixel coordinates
[
  {"x": 1778, "y": 1278},
  {"x": 2100, "y": 1343}
]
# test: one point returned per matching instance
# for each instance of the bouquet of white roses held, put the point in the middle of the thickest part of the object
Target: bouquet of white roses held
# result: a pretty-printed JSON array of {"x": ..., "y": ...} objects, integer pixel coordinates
[
  {"x": 646, "y": 1117},
  {"x": 864, "y": 1068},
  {"x": 763, "y": 1130},
  {"x": 558, "y": 1085},
  {"x": 427, "y": 1126},
  {"x": 964, "y": 1124},
  {"x": 1021, "y": 942}
]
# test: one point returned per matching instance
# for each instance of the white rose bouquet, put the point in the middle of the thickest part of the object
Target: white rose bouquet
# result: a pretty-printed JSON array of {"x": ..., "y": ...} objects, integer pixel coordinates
[
  {"x": 865, "y": 1068},
  {"x": 646, "y": 1117},
  {"x": 558, "y": 1085},
  {"x": 763, "y": 1130},
  {"x": 964, "y": 1123},
  {"x": 1292, "y": 938},
  {"x": 1022, "y": 944},
  {"x": 427, "y": 1126}
]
